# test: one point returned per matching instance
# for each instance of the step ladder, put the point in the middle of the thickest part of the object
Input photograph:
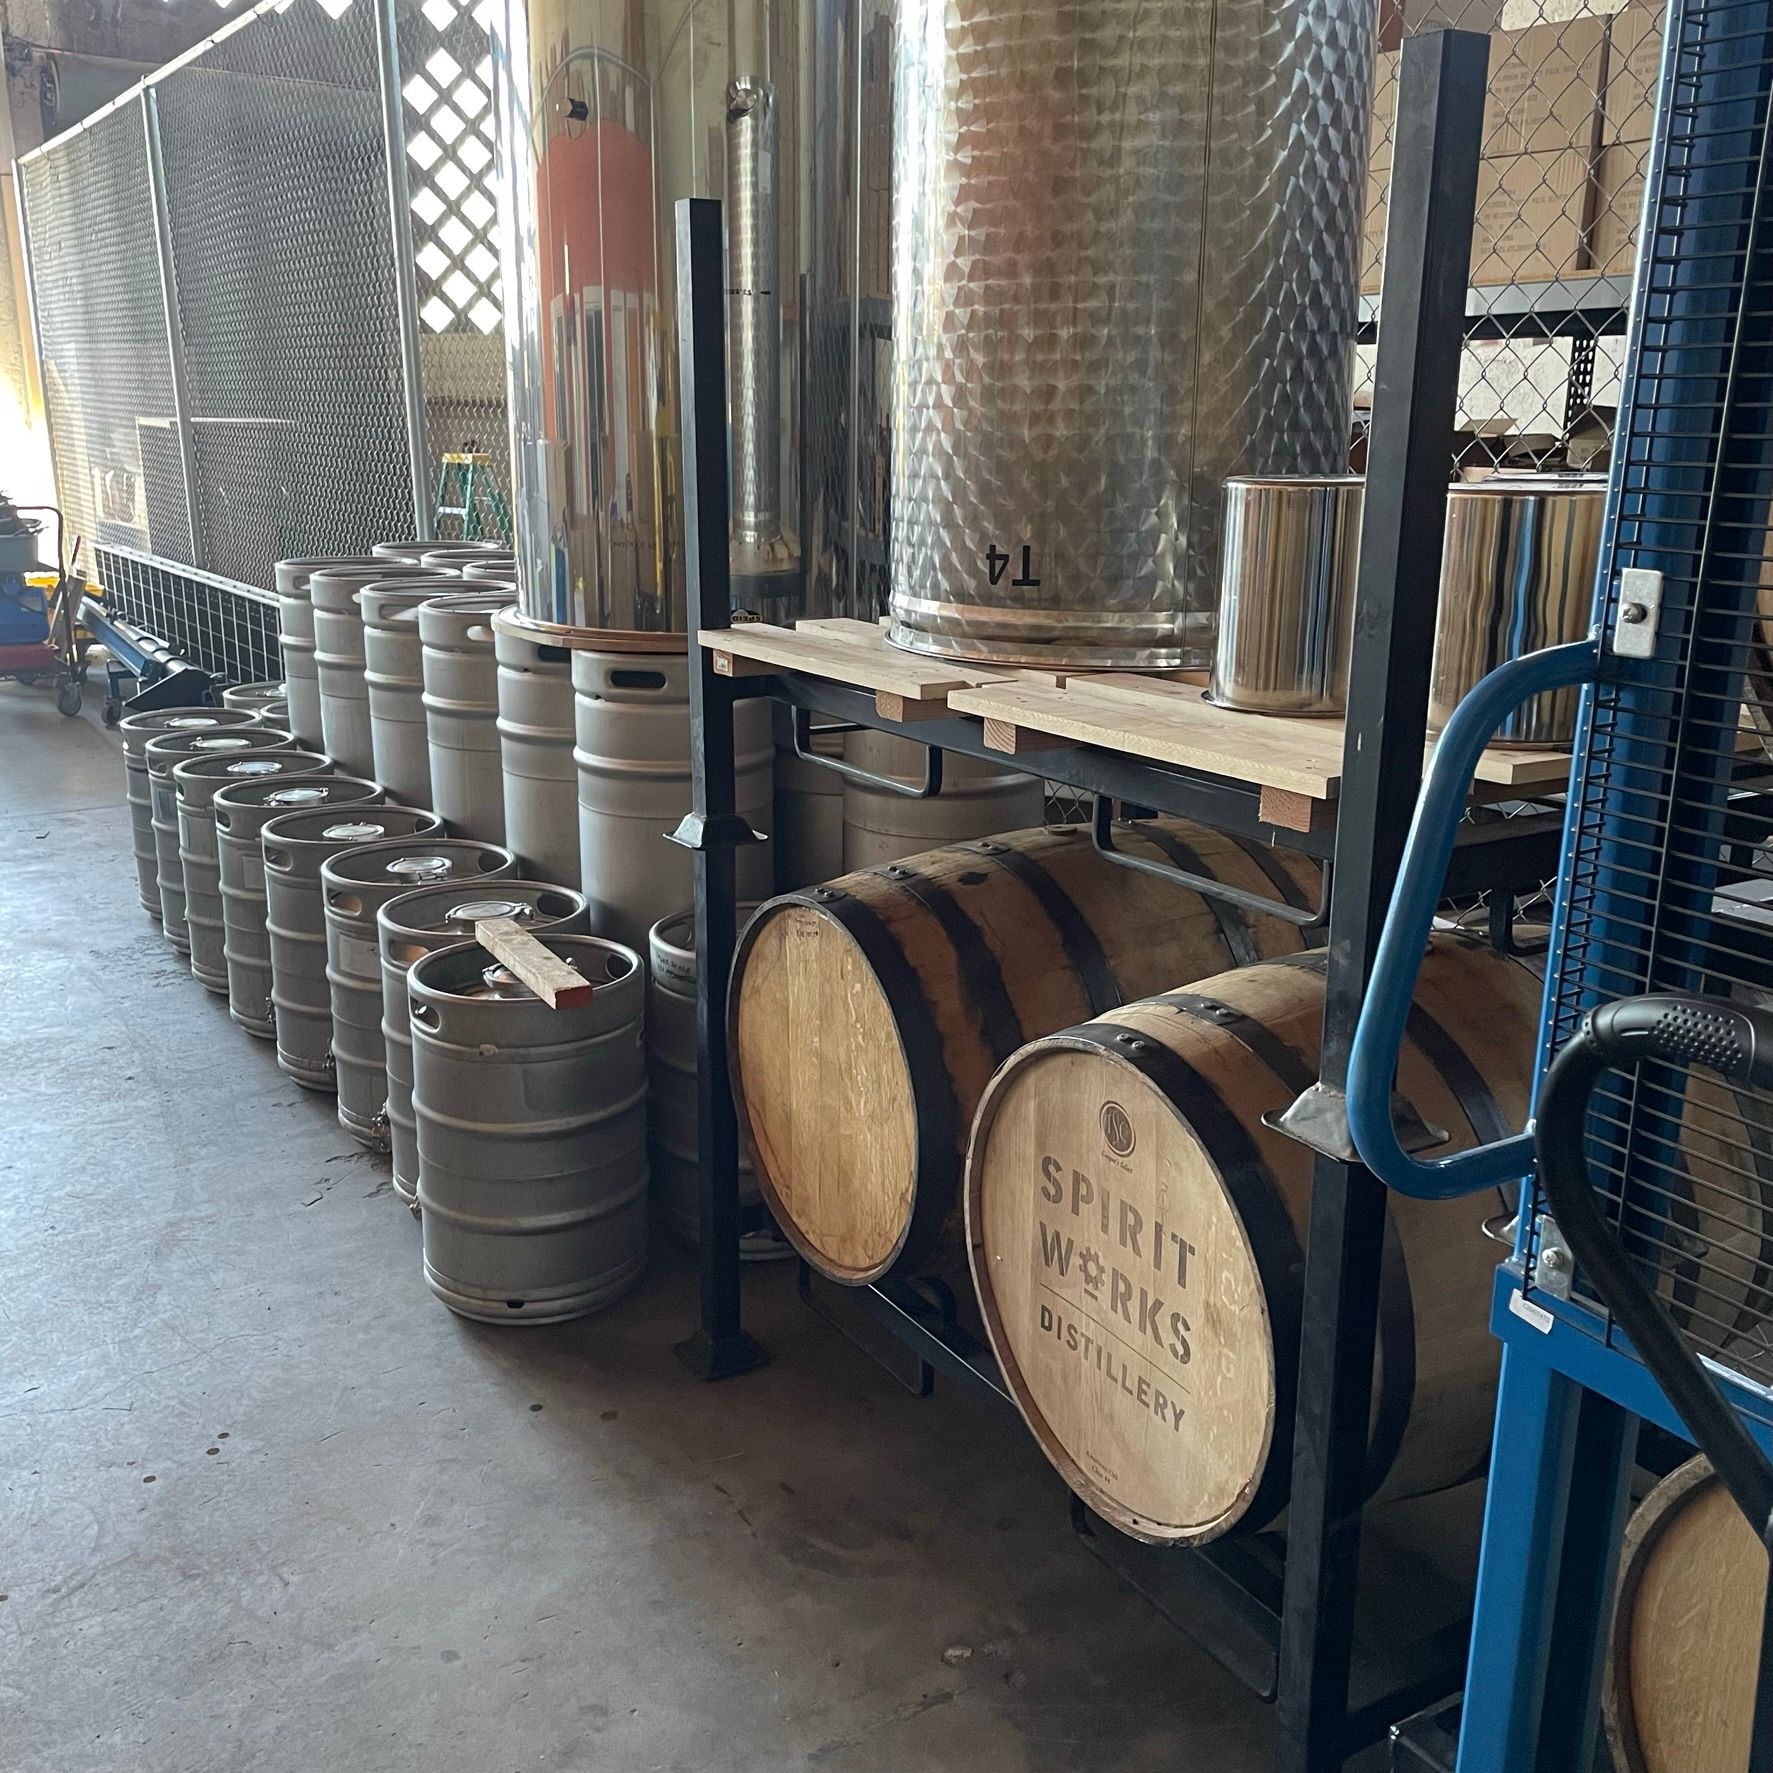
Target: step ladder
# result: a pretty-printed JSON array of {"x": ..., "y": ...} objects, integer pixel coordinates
[{"x": 465, "y": 491}]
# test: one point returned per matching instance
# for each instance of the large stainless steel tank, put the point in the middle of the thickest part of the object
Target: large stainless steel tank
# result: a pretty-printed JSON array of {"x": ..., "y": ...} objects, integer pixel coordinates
[
  {"x": 532, "y": 1133},
  {"x": 419, "y": 923},
  {"x": 608, "y": 115},
  {"x": 1124, "y": 267}
]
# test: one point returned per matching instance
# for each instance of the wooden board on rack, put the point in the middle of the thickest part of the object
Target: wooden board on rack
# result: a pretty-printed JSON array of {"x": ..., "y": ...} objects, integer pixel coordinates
[{"x": 845, "y": 650}]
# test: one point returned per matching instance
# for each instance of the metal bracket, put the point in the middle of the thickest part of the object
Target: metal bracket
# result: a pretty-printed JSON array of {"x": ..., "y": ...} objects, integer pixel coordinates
[
  {"x": 1639, "y": 614},
  {"x": 1102, "y": 836},
  {"x": 1554, "y": 1268},
  {"x": 1318, "y": 1118},
  {"x": 932, "y": 761},
  {"x": 714, "y": 831}
]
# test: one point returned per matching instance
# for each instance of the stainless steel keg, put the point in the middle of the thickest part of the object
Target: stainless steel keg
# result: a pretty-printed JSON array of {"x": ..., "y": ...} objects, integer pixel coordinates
[
  {"x": 462, "y": 710},
  {"x": 978, "y": 799},
  {"x": 164, "y": 752},
  {"x": 535, "y": 725},
  {"x": 494, "y": 570},
  {"x": 136, "y": 730},
  {"x": 394, "y": 678},
  {"x": 532, "y": 1133},
  {"x": 338, "y": 656},
  {"x": 294, "y": 848},
  {"x": 196, "y": 782},
  {"x": 255, "y": 698},
  {"x": 355, "y": 885},
  {"x": 1518, "y": 572},
  {"x": 807, "y": 836},
  {"x": 673, "y": 1111},
  {"x": 1287, "y": 571},
  {"x": 295, "y": 640},
  {"x": 420, "y": 922},
  {"x": 459, "y": 556},
  {"x": 412, "y": 550},
  {"x": 241, "y": 813},
  {"x": 632, "y": 756}
]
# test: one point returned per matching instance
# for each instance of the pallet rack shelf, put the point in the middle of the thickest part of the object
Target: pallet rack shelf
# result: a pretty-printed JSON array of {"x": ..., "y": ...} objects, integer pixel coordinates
[{"x": 1286, "y": 1624}]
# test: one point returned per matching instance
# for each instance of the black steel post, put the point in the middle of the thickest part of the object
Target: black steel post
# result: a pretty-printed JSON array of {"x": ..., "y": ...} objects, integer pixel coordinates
[
  {"x": 713, "y": 829},
  {"x": 1410, "y": 452}
]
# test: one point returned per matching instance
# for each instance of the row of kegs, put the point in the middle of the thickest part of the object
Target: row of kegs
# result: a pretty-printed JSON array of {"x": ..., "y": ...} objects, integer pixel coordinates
[{"x": 322, "y": 846}]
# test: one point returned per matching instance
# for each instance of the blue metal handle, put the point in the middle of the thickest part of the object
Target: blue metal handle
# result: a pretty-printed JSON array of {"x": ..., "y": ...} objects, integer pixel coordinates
[{"x": 1372, "y": 1061}]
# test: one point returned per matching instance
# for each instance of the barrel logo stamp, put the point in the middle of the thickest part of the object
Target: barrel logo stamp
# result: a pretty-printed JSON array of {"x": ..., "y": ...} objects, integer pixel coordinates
[{"x": 1117, "y": 1129}]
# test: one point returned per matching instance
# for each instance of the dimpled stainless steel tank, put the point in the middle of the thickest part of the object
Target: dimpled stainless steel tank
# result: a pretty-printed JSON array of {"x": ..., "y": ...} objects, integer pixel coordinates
[
  {"x": 136, "y": 730},
  {"x": 355, "y": 885},
  {"x": 164, "y": 753},
  {"x": 462, "y": 710},
  {"x": 1124, "y": 267},
  {"x": 532, "y": 1133},
  {"x": 294, "y": 848},
  {"x": 673, "y": 1110},
  {"x": 196, "y": 782},
  {"x": 394, "y": 676},
  {"x": 419, "y": 923},
  {"x": 241, "y": 814},
  {"x": 535, "y": 689}
]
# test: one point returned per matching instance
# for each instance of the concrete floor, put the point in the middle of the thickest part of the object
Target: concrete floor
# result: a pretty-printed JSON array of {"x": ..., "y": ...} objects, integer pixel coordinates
[{"x": 268, "y": 1505}]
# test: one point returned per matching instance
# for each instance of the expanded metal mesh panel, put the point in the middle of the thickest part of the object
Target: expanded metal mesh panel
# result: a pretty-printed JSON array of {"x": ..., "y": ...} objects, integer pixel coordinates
[
  {"x": 107, "y": 372},
  {"x": 447, "y": 111},
  {"x": 228, "y": 629},
  {"x": 276, "y": 180},
  {"x": 1670, "y": 874}
]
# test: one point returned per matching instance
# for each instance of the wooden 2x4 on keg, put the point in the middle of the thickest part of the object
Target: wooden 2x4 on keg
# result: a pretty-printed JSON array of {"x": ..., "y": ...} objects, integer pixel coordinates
[
  {"x": 295, "y": 848},
  {"x": 136, "y": 730},
  {"x": 420, "y": 922},
  {"x": 355, "y": 885},
  {"x": 164, "y": 753},
  {"x": 1136, "y": 1230},
  {"x": 868, "y": 1015},
  {"x": 532, "y": 1133},
  {"x": 535, "y": 726},
  {"x": 196, "y": 782},
  {"x": 241, "y": 813},
  {"x": 461, "y": 702},
  {"x": 631, "y": 715}
]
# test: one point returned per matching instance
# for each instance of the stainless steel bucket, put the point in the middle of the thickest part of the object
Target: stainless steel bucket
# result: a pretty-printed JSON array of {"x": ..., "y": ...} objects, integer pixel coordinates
[
  {"x": 461, "y": 702},
  {"x": 355, "y": 885},
  {"x": 164, "y": 752},
  {"x": 241, "y": 813},
  {"x": 532, "y": 1133},
  {"x": 295, "y": 847},
  {"x": 196, "y": 782},
  {"x": 535, "y": 725},
  {"x": 1517, "y": 573},
  {"x": 1286, "y": 593},
  {"x": 136, "y": 730},
  {"x": 419, "y": 923},
  {"x": 394, "y": 676}
]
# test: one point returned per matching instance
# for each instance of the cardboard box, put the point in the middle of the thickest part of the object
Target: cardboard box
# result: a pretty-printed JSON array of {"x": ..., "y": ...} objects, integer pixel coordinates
[
  {"x": 1399, "y": 19},
  {"x": 1618, "y": 206},
  {"x": 1532, "y": 210},
  {"x": 1545, "y": 88},
  {"x": 1634, "y": 66}
]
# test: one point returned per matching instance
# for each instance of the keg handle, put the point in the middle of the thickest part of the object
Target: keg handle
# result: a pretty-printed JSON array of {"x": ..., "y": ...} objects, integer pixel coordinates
[
  {"x": 1302, "y": 917},
  {"x": 278, "y": 859},
  {"x": 1735, "y": 1041},
  {"x": 1434, "y": 830},
  {"x": 932, "y": 761},
  {"x": 349, "y": 903},
  {"x": 423, "y": 1014}
]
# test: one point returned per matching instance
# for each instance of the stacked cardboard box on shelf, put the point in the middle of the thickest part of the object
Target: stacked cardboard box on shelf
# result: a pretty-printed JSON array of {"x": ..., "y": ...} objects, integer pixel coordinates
[{"x": 1634, "y": 61}]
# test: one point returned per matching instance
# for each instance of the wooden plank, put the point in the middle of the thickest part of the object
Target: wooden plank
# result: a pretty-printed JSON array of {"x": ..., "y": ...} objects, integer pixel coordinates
[
  {"x": 1017, "y": 741},
  {"x": 1171, "y": 723},
  {"x": 1503, "y": 767},
  {"x": 846, "y": 652},
  {"x": 558, "y": 985},
  {"x": 1294, "y": 812}
]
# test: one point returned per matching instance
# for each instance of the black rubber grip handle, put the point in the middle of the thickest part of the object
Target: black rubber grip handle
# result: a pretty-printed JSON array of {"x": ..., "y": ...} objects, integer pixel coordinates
[{"x": 1716, "y": 1032}]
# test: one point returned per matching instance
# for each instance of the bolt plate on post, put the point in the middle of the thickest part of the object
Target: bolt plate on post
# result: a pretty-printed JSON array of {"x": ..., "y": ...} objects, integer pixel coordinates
[{"x": 1640, "y": 609}]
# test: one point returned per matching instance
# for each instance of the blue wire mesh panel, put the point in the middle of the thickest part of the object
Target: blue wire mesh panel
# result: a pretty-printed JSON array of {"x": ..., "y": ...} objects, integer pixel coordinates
[
  {"x": 1669, "y": 870},
  {"x": 229, "y": 630}
]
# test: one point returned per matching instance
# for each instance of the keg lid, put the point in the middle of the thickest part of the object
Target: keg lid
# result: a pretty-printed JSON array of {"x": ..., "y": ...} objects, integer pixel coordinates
[
  {"x": 223, "y": 742},
  {"x": 501, "y": 983},
  {"x": 255, "y": 766},
  {"x": 421, "y": 867},
  {"x": 308, "y": 796},
  {"x": 185, "y": 721},
  {"x": 473, "y": 911},
  {"x": 353, "y": 831}
]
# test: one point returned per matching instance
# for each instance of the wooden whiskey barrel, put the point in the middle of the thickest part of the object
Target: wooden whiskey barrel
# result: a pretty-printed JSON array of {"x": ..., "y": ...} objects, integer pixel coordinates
[
  {"x": 868, "y": 1014},
  {"x": 1136, "y": 1232},
  {"x": 1680, "y": 1684}
]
